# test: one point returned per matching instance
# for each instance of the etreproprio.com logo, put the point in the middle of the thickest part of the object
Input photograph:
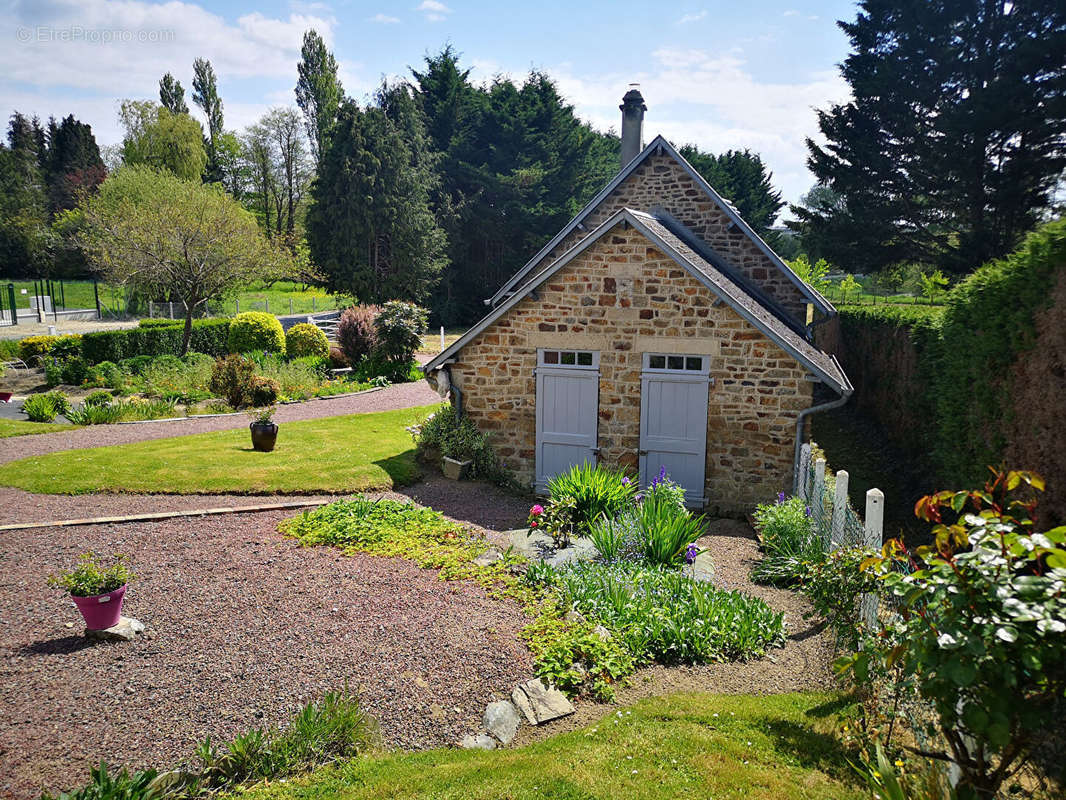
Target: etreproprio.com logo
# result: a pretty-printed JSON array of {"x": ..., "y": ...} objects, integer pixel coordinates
[{"x": 76, "y": 33}]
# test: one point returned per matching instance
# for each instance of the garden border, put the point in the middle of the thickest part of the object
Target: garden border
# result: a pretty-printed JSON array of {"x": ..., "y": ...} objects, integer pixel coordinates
[
  {"x": 238, "y": 413},
  {"x": 199, "y": 512}
]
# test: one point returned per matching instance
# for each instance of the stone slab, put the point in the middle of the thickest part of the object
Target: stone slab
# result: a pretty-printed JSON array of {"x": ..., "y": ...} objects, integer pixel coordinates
[
  {"x": 126, "y": 630},
  {"x": 541, "y": 703},
  {"x": 538, "y": 546},
  {"x": 501, "y": 720},
  {"x": 478, "y": 741}
]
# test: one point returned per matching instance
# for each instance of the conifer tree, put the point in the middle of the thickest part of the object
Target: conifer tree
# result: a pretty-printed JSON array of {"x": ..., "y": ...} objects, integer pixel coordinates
[
  {"x": 205, "y": 95},
  {"x": 172, "y": 95},
  {"x": 318, "y": 91},
  {"x": 953, "y": 143}
]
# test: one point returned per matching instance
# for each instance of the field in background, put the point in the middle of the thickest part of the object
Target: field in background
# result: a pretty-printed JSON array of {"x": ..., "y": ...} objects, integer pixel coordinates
[{"x": 279, "y": 297}]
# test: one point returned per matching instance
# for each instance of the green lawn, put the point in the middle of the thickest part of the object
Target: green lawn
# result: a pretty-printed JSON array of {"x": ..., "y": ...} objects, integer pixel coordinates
[
  {"x": 14, "y": 427},
  {"x": 699, "y": 746},
  {"x": 333, "y": 454}
]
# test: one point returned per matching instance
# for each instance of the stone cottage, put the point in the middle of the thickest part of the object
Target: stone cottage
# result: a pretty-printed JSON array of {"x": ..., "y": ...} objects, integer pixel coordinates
[{"x": 656, "y": 329}]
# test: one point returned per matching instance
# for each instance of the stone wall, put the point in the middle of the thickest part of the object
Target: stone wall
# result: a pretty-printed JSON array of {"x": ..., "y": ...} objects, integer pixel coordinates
[
  {"x": 623, "y": 297},
  {"x": 661, "y": 182}
]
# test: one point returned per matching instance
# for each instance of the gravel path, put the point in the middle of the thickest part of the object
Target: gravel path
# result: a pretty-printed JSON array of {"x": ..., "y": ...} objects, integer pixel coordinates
[
  {"x": 245, "y": 626},
  {"x": 403, "y": 395}
]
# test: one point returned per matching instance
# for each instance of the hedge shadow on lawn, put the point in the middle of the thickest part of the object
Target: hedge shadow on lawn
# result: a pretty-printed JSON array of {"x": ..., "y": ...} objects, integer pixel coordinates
[{"x": 812, "y": 749}]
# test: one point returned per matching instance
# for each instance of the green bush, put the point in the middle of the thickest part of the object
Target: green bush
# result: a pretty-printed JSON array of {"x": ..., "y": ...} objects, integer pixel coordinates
[
  {"x": 39, "y": 408},
  {"x": 595, "y": 490},
  {"x": 137, "y": 365},
  {"x": 99, "y": 398},
  {"x": 667, "y": 615},
  {"x": 263, "y": 392},
  {"x": 9, "y": 349},
  {"x": 392, "y": 371},
  {"x": 835, "y": 586},
  {"x": 90, "y": 578},
  {"x": 789, "y": 542},
  {"x": 256, "y": 330},
  {"x": 53, "y": 372},
  {"x": 109, "y": 374},
  {"x": 305, "y": 339},
  {"x": 231, "y": 379},
  {"x": 158, "y": 322},
  {"x": 356, "y": 333},
  {"x": 75, "y": 371},
  {"x": 398, "y": 330},
  {"x": 664, "y": 530},
  {"x": 59, "y": 400},
  {"x": 458, "y": 437},
  {"x": 33, "y": 347}
]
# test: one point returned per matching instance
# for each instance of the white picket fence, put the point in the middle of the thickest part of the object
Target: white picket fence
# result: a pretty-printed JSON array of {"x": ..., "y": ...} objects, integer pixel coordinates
[{"x": 837, "y": 523}]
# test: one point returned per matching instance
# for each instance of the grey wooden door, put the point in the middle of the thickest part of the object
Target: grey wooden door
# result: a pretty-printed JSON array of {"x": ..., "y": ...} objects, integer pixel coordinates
[
  {"x": 673, "y": 422},
  {"x": 568, "y": 393}
]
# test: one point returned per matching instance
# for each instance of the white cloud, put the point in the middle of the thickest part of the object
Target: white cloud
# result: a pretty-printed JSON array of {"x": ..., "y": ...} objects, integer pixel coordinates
[
  {"x": 687, "y": 18},
  {"x": 434, "y": 11},
  {"x": 384, "y": 19},
  {"x": 712, "y": 100},
  {"x": 792, "y": 13}
]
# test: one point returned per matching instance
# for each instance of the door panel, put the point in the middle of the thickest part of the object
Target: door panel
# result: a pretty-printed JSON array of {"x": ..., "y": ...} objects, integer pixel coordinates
[
  {"x": 673, "y": 431},
  {"x": 567, "y": 402}
]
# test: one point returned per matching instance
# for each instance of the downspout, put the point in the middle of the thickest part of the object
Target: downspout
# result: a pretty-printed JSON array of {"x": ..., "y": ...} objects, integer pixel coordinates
[
  {"x": 802, "y": 418},
  {"x": 458, "y": 395}
]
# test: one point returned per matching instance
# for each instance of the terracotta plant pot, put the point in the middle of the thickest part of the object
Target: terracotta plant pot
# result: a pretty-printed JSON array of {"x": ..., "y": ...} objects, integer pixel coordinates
[
  {"x": 456, "y": 470},
  {"x": 264, "y": 436},
  {"x": 101, "y": 611}
]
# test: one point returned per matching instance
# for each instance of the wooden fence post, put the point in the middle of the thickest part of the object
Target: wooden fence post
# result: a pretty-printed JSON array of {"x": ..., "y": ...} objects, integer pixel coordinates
[
  {"x": 840, "y": 510},
  {"x": 238, "y": 303},
  {"x": 873, "y": 538},
  {"x": 804, "y": 471},
  {"x": 172, "y": 309},
  {"x": 817, "y": 499},
  {"x": 151, "y": 311},
  {"x": 290, "y": 305}
]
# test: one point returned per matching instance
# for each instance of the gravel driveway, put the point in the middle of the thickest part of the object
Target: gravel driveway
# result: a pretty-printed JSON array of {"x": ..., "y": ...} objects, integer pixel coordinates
[
  {"x": 245, "y": 626},
  {"x": 402, "y": 395}
]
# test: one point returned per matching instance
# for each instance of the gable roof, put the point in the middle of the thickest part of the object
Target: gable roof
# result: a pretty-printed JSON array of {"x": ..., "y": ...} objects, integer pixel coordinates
[
  {"x": 658, "y": 145},
  {"x": 824, "y": 366}
]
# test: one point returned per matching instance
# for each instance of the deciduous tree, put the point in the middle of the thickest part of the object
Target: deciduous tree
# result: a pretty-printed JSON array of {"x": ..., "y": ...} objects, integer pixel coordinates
[
  {"x": 162, "y": 140},
  {"x": 318, "y": 91},
  {"x": 205, "y": 95},
  {"x": 172, "y": 95}
]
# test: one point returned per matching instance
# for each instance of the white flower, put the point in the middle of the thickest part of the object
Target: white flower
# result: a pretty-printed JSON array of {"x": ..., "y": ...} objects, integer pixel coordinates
[{"x": 946, "y": 641}]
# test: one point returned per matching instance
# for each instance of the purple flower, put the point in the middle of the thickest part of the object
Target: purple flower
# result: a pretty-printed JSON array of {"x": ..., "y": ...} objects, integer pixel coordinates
[
  {"x": 780, "y": 498},
  {"x": 625, "y": 481},
  {"x": 638, "y": 498},
  {"x": 690, "y": 554},
  {"x": 808, "y": 512}
]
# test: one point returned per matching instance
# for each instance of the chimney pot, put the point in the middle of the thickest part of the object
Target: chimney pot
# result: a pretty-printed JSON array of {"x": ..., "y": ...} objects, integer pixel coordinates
[{"x": 632, "y": 109}]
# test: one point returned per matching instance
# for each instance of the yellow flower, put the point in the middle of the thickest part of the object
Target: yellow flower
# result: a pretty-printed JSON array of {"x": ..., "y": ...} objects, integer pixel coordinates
[{"x": 899, "y": 763}]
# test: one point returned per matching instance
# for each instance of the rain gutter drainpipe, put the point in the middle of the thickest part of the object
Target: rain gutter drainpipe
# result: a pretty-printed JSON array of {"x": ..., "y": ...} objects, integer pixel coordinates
[
  {"x": 802, "y": 418},
  {"x": 458, "y": 395}
]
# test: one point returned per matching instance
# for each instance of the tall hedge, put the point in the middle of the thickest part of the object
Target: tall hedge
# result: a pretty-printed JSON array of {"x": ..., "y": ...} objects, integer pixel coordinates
[
  {"x": 944, "y": 382},
  {"x": 208, "y": 336}
]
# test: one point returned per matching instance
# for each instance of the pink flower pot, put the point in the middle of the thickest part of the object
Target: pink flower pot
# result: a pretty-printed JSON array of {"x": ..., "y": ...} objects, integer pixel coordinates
[{"x": 101, "y": 611}]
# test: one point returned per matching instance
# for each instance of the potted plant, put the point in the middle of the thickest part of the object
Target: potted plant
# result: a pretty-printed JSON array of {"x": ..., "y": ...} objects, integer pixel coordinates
[
  {"x": 96, "y": 590},
  {"x": 264, "y": 429},
  {"x": 458, "y": 448}
]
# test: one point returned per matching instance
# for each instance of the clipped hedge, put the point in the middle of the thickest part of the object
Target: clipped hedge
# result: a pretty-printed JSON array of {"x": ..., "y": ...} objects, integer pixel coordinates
[
  {"x": 33, "y": 346},
  {"x": 957, "y": 383},
  {"x": 256, "y": 330},
  {"x": 209, "y": 336}
]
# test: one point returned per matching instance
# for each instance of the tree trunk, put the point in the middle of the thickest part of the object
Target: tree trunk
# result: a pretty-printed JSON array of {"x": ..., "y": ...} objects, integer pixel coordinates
[{"x": 186, "y": 335}]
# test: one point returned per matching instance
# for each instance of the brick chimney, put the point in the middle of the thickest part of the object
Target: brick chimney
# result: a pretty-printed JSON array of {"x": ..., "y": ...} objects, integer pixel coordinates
[{"x": 632, "y": 109}]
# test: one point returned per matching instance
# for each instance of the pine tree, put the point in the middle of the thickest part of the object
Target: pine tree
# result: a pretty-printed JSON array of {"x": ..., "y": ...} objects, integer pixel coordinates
[
  {"x": 205, "y": 95},
  {"x": 371, "y": 229},
  {"x": 318, "y": 91},
  {"x": 172, "y": 95},
  {"x": 72, "y": 164},
  {"x": 954, "y": 141}
]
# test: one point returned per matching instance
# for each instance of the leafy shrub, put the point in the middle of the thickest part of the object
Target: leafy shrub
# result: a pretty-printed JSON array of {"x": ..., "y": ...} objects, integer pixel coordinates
[
  {"x": 835, "y": 585},
  {"x": 256, "y": 330},
  {"x": 90, "y": 578},
  {"x": 664, "y": 531},
  {"x": 666, "y": 615},
  {"x": 107, "y": 373},
  {"x": 980, "y": 629},
  {"x": 305, "y": 339},
  {"x": 75, "y": 371},
  {"x": 337, "y": 358},
  {"x": 231, "y": 379},
  {"x": 263, "y": 391},
  {"x": 615, "y": 538},
  {"x": 33, "y": 347},
  {"x": 120, "y": 785},
  {"x": 789, "y": 541},
  {"x": 59, "y": 401},
  {"x": 136, "y": 365},
  {"x": 373, "y": 367},
  {"x": 9, "y": 349},
  {"x": 53, "y": 372},
  {"x": 184, "y": 380},
  {"x": 356, "y": 333},
  {"x": 595, "y": 490},
  {"x": 399, "y": 329},
  {"x": 95, "y": 414},
  {"x": 39, "y": 408},
  {"x": 457, "y": 437},
  {"x": 98, "y": 398},
  {"x": 158, "y": 322}
]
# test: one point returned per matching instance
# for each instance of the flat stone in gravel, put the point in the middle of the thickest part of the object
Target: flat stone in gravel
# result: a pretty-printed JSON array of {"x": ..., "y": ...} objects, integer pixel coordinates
[
  {"x": 501, "y": 720},
  {"x": 540, "y": 703},
  {"x": 478, "y": 741},
  {"x": 126, "y": 630},
  {"x": 539, "y": 546}
]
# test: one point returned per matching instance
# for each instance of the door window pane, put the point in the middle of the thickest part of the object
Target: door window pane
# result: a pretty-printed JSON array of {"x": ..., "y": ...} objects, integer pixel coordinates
[
  {"x": 551, "y": 356},
  {"x": 584, "y": 359},
  {"x": 567, "y": 358},
  {"x": 675, "y": 362},
  {"x": 694, "y": 363},
  {"x": 657, "y": 362}
]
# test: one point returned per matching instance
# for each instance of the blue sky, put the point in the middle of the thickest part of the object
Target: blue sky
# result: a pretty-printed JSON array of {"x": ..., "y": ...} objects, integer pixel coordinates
[{"x": 720, "y": 75}]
